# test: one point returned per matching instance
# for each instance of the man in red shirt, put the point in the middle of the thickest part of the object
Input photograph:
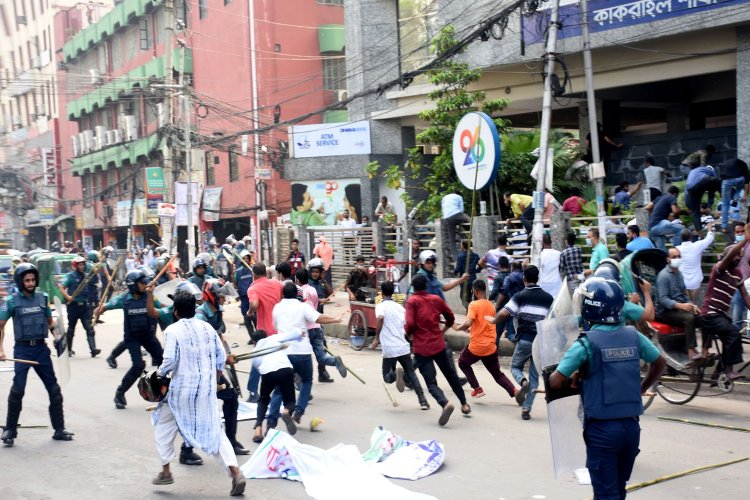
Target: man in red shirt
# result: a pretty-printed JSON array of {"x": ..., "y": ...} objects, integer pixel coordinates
[
  {"x": 263, "y": 295},
  {"x": 423, "y": 313}
]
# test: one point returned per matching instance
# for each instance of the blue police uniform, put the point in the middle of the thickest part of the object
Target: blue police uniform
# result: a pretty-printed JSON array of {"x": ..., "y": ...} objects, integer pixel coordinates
[
  {"x": 140, "y": 331},
  {"x": 612, "y": 402},
  {"x": 30, "y": 313},
  {"x": 80, "y": 309},
  {"x": 434, "y": 285}
]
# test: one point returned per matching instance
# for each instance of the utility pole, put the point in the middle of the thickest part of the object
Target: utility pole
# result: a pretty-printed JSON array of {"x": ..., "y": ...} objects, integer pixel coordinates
[
  {"x": 186, "y": 95},
  {"x": 597, "y": 168},
  {"x": 260, "y": 193},
  {"x": 538, "y": 203},
  {"x": 169, "y": 167}
]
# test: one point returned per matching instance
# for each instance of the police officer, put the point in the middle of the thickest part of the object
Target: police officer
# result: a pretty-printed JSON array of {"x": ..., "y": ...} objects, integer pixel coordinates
[
  {"x": 243, "y": 278},
  {"x": 200, "y": 272},
  {"x": 212, "y": 312},
  {"x": 80, "y": 306},
  {"x": 140, "y": 330},
  {"x": 32, "y": 319},
  {"x": 98, "y": 280},
  {"x": 316, "y": 268},
  {"x": 606, "y": 362}
]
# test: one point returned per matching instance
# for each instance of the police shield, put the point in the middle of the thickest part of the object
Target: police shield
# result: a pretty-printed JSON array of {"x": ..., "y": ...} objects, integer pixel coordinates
[
  {"x": 61, "y": 345},
  {"x": 553, "y": 338},
  {"x": 163, "y": 291}
]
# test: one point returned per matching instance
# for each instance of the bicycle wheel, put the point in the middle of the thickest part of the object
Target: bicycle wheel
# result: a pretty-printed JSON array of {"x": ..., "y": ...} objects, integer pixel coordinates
[
  {"x": 680, "y": 387},
  {"x": 357, "y": 330}
]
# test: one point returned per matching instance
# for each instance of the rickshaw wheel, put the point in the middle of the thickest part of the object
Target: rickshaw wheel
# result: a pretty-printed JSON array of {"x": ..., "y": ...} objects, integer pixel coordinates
[
  {"x": 357, "y": 330},
  {"x": 680, "y": 387}
]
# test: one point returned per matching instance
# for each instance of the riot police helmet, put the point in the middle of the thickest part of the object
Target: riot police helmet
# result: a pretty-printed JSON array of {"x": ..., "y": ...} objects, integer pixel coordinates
[
  {"x": 133, "y": 278},
  {"x": 23, "y": 269},
  {"x": 603, "y": 300}
]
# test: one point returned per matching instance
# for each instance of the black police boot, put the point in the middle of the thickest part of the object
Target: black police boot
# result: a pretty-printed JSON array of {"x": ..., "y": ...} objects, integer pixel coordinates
[
  {"x": 323, "y": 375},
  {"x": 189, "y": 457},
  {"x": 11, "y": 423},
  {"x": 56, "y": 415},
  {"x": 120, "y": 401},
  {"x": 92, "y": 346}
]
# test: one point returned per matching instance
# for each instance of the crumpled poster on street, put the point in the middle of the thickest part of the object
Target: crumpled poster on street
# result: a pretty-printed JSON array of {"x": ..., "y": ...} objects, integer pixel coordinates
[{"x": 341, "y": 472}]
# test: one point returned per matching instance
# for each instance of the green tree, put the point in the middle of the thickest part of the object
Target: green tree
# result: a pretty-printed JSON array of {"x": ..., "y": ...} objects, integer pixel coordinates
[{"x": 452, "y": 100}]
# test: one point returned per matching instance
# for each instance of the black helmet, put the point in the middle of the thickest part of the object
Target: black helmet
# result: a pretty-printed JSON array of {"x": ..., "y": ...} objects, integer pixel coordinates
[
  {"x": 133, "y": 278},
  {"x": 22, "y": 269},
  {"x": 198, "y": 263},
  {"x": 602, "y": 301},
  {"x": 152, "y": 387}
]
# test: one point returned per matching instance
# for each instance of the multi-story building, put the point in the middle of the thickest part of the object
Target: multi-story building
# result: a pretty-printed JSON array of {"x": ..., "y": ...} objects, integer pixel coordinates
[
  {"x": 670, "y": 77},
  {"x": 29, "y": 135},
  {"x": 249, "y": 65}
]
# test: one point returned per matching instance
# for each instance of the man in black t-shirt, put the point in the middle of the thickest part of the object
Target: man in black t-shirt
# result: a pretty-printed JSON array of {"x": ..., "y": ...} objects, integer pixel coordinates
[{"x": 659, "y": 225}]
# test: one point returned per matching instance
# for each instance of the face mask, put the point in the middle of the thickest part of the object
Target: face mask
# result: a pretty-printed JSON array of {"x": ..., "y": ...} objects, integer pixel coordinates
[
  {"x": 739, "y": 238},
  {"x": 675, "y": 263},
  {"x": 589, "y": 242}
]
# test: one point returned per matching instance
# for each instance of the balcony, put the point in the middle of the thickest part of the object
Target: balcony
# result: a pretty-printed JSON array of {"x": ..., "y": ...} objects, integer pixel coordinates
[
  {"x": 139, "y": 77},
  {"x": 114, "y": 156}
]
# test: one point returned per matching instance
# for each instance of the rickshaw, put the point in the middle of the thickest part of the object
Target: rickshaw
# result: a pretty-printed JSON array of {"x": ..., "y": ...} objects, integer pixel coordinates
[
  {"x": 681, "y": 381},
  {"x": 52, "y": 268}
]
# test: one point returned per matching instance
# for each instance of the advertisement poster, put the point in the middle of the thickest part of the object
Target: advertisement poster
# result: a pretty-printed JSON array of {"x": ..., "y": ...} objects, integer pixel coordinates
[
  {"x": 122, "y": 213},
  {"x": 320, "y": 203},
  {"x": 211, "y": 203},
  {"x": 330, "y": 139},
  {"x": 180, "y": 198},
  {"x": 155, "y": 186}
]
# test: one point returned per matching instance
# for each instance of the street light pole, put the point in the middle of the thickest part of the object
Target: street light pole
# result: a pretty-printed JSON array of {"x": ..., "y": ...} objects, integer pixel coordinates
[
  {"x": 597, "y": 170},
  {"x": 538, "y": 203},
  {"x": 188, "y": 160}
]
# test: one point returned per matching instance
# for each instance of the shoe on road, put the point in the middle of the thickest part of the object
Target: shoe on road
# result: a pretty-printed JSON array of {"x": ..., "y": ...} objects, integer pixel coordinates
[
  {"x": 189, "y": 457},
  {"x": 95, "y": 353},
  {"x": 252, "y": 397},
  {"x": 424, "y": 405},
  {"x": 239, "y": 449},
  {"x": 291, "y": 426},
  {"x": 324, "y": 377},
  {"x": 465, "y": 408},
  {"x": 112, "y": 362},
  {"x": 446, "y": 414},
  {"x": 62, "y": 435},
  {"x": 120, "y": 401},
  {"x": 400, "y": 385},
  {"x": 526, "y": 413},
  {"x": 478, "y": 393},
  {"x": 161, "y": 479},
  {"x": 238, "y": 486}
]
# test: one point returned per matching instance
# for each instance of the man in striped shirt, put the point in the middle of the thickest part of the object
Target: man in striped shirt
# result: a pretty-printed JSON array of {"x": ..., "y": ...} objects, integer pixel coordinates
[
  {"x": 726, "y": 278},
  {"x": 529, "y": 306}
]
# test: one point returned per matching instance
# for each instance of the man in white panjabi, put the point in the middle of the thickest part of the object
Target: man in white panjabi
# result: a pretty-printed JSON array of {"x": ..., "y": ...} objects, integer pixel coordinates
[{"x": 193, "y": 355}]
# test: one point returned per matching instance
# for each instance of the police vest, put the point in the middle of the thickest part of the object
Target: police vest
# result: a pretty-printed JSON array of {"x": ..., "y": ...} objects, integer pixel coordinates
[
  {"x": 198, "y": 280},
  {"x": 76, "y": 279},
  {"x": 613, "y": 386},
  {"x": 30, "y": 316},
  {"x": 214, "y": 321},
  {"x": 93, "y": 287},
  {"x": 137, "y": 320},
  {"x": 244, "y": 278}
]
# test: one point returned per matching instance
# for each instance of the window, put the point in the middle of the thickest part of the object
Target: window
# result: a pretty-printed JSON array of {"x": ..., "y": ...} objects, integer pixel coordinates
[
  {"x": 334, "y": 73},
  {"x": 145, "y": 34},
  {"x": 202, "y": 9},
  {"x": 234, "y": 169},
  {"x": 416, "y": 29},
  {"x": 181, "y": 13},
  {"x": 210, "y": 172},
  {"x": 227, "y": 2},
  {"x": 331, "y": 2}
]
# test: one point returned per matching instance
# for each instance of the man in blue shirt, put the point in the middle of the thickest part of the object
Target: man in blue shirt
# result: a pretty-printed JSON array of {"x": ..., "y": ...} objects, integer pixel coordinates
[
  {"x": 243, "y": 278},
  {"x": 623, "y": 194},
  {"x": 32, "y": 319},
  {"x": 452, "y": 206},
  {"x": 699, "y": 181},
  {"x": 659, "y": 225},
  {"x": 636, "y": 241},
  {"x": 606, "y": 363}
]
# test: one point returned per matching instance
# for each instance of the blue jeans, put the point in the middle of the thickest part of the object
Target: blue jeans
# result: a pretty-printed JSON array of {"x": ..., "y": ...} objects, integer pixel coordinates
[
  {"x": 611, "y": 448},
  {"x": 521, "y": 355},
  {"x": 317, "y": 339},
  {"x": 302, "y": 365},
  {"x": 663, "y": 229},
  {"x": 254, "y": 381},
  {"x": 739, "y": 310},
  {"x": 727, "y": 185}
]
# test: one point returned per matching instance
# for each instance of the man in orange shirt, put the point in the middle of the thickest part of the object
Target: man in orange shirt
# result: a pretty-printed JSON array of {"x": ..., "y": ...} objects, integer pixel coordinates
[{"x": 482, "y": 345}]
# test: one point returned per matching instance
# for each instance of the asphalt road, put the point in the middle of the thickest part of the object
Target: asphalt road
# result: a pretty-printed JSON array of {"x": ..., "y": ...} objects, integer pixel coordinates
[{"x": 492, "y": 454}]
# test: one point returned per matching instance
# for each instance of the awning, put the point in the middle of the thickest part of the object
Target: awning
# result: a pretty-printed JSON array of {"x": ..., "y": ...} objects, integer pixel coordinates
[
  {"x": 115, "y": 155},
  {"x": 331, "y": 38}
]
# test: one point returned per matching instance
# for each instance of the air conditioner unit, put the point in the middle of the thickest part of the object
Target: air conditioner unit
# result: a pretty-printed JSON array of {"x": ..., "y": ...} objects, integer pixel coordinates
[
  {"x": 20, "y": 19},
  {"x": 129, "y": 127},
  {"x": 343, "y": 95},
  {"x": 96, "y": 78},
  {"x": 114, "y": 137},
  {"x": 88, "y": 136},
  {"x": 161, "y": 116},
  {"x": 83, "y": 143},
  {"x": 36, "y": 62},
  {"x": 76, "y": 144},
  {"x": 101, "y": 136}
]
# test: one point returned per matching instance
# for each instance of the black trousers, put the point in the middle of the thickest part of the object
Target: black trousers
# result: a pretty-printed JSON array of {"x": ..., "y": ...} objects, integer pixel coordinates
[
  {"x": 426, "y": 366},
  {"x": 83, "y": 312},
  {"x": 389, "y": 374},
  {"x": 721, "y": 326},
  {"x": 284, "y": 380},
  {"x": 133, "y": 344}
]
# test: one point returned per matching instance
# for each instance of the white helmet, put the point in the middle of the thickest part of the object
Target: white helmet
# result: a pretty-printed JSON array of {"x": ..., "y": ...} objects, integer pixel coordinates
[
  {"x": 245, "y": 253},
  {"x": 207, "y": 257},
  {"x": 316, "y": 262},
  {"x": 426, "y": 255}
]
